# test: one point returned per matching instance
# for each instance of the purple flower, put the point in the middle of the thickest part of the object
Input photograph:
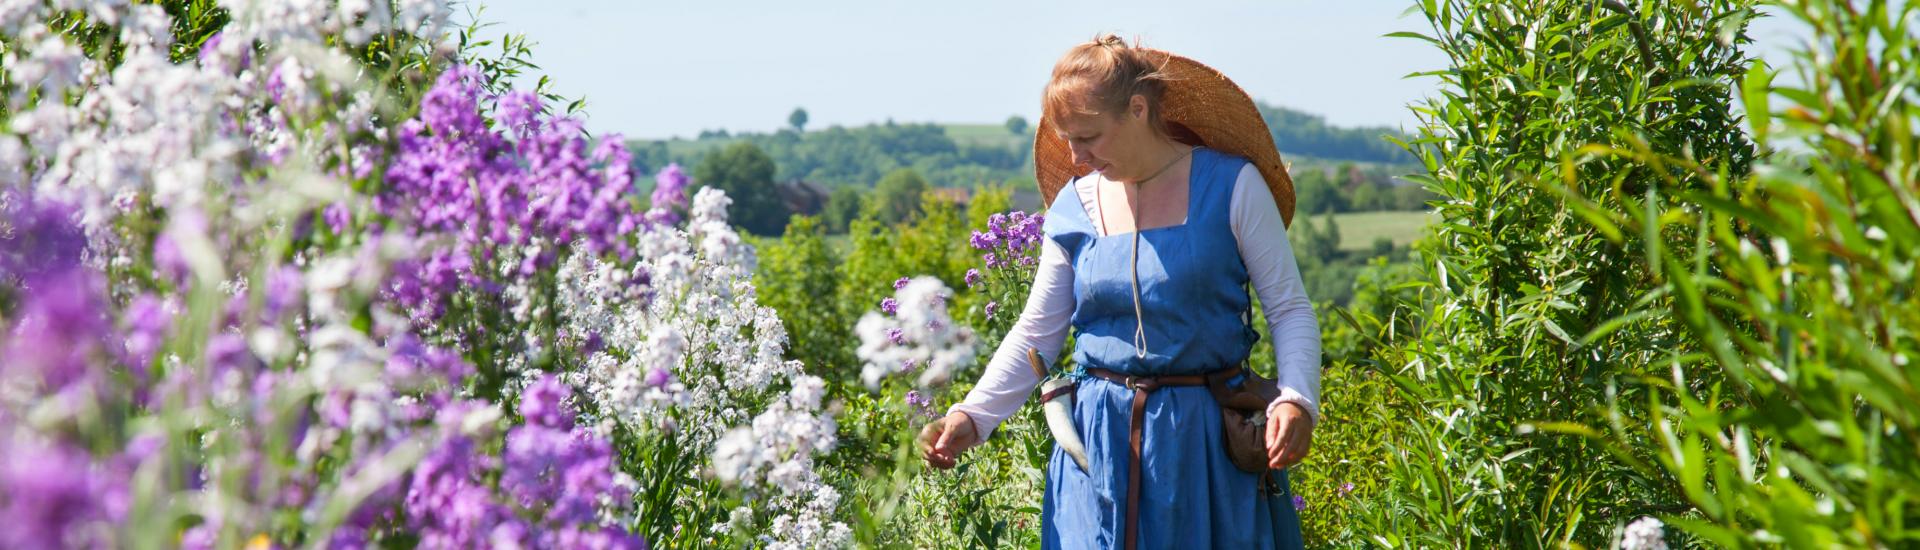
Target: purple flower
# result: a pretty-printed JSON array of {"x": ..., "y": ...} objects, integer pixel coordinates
[
  {"x": 59, "y": 328},
  {"x": 1009, "y": 239},
  {"x": 146, "y": 322},
  {"x": 168, "y": 258},
  {"x": 670, "y": 190},
  {"x": 538, "y": 182},
  {"x": 227, "y": 353},
  {"x": 659, "y": 377},
  {"x": 921, "y": 403},
  {"x": 981, "y": 240},
  {"x": 204, "y": 536},
  {"x": 897, "y": 336},
  {"x": 973, "y": 277},
  {"x": 414, "y": 361},
  {"x": 992, "y": 307},
  {"x": 594, "y": 539},
  {"x": 900, "y": 283},
  {"x": 446, "y": 503},
  {"x": 277, "y": 81},
  {"x": 420, "y": 284},
  {"x": 517, "y": 109},
  {"x": 339, "y": 218},
  {"x": 211, "y": 45},
  {"x": 889, "y": 306},
  {"x": 1346, "y": 488},
  {"x": 1021, "y": 231},
  {"x": 566, "y": 473},
  {"x": 1299, "y": 503},
  {"x": 46, "y": 240},
  {"x": 594, "y": 343},
  {"x": 544, "y": 403},
  {"x": 54, "y": 494},
  {"x": 285, "y": 289}
]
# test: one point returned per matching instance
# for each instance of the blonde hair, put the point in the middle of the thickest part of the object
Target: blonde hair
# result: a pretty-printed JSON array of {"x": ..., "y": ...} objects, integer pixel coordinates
[{"x": 1101, "y": 77}]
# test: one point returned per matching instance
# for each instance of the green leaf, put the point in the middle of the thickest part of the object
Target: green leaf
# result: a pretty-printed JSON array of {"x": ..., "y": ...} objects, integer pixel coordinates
[
  {"x": 1410, "y": 34},
  {"x": 1755, "y": 89}
]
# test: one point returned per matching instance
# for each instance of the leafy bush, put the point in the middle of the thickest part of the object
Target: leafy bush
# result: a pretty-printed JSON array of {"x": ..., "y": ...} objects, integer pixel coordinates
[{"x": 1631, "y": 309}]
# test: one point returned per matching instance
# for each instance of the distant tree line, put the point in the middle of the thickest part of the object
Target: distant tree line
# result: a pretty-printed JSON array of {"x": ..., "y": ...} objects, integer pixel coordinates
[
  {"x": 882, "y": 170},
  {"x": 839, "y": 156},
  {"x": 1320, "y": 188},
  {"x": 1302, "y": 133}
]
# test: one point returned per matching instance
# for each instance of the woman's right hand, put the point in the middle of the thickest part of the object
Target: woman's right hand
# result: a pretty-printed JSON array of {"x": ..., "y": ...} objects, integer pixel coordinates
[{"x": 942, "y": 441}]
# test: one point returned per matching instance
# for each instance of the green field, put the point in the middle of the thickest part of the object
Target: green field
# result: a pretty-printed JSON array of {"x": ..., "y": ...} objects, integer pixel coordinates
[
  {"x": 988, "y": 134},
  {"x": 1359, "y": 229}
]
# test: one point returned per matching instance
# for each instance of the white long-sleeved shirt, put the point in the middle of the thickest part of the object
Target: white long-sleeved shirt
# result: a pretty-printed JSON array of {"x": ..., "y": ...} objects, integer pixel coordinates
[{"x": 1261, "y": 236}]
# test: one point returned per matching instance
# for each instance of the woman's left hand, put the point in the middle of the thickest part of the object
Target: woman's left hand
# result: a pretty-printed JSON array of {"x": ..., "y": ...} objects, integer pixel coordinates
[{"x": 1289, "y": 435}]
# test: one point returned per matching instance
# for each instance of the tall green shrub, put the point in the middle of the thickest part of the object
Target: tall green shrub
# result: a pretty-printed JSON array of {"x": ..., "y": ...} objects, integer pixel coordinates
[
  {"x": 1797, "y": 301},
  {"x": 1515, "y": 276}
]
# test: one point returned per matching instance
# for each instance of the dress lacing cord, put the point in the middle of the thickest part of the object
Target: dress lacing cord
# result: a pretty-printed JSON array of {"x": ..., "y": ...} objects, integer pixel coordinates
[
  {"x": 1133, "y": 265},
  {"x": 1133, "y": 257}
]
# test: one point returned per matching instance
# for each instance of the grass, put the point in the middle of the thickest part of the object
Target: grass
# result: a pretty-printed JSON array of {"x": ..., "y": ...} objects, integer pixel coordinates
[
  {"x": 987, "y": 134},
  {"x": 1359, "y": 229}
]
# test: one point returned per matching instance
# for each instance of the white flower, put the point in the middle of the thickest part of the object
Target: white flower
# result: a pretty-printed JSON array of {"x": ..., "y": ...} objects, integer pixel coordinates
[
  {"x": 277, "y": 21},
  {"x": 697, "y": 326},
  {"x": 807, "y": 391},
  {"x": 665, "y": 347},
  {"x": 1647, "y": 533},
  {"x": 148, "y": 27},
  {"x": 709, "y": 205},
  {"x": 734, "y": 455},
  {"x": 929, "y": 339},
  {"x": 18, "y": 14},
  {"x": 13, "y": 160},
  {"x": 290, "y": 77},
  {"x": 46, "y": 126},
  {"x": 423, "y": 18},
  {"x": 344, "y": 358},
  {"x": 53, "y": 66}
]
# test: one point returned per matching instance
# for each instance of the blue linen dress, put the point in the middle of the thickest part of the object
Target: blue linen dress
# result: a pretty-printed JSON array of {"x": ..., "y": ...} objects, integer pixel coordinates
[{"x": 1193, "y": 295}]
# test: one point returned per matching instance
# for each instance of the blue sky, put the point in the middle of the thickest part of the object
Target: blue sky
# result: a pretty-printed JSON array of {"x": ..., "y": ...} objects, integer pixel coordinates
[{"x": 660, "y": 69}]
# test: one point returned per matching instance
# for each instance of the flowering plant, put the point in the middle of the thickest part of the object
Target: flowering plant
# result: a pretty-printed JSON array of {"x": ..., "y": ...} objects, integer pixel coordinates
[
  {"x": 298, "y": 277},
  {"x": 1010, "y": 249}
]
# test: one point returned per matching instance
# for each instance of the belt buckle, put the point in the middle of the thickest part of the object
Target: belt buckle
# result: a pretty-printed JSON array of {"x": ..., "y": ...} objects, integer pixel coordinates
[{"x": 1132, "y": 382}]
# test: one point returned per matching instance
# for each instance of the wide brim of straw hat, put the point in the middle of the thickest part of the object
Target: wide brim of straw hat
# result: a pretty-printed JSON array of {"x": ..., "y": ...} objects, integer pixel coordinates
[{"x": 1200, "y": 107}]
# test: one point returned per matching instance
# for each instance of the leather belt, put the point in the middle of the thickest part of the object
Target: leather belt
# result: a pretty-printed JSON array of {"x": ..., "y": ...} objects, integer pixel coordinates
[{"x": 1142, "y": 386}]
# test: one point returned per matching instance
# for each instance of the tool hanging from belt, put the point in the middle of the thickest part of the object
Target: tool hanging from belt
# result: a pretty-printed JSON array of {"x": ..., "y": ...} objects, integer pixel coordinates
[{"x": 1059, "y": 412}]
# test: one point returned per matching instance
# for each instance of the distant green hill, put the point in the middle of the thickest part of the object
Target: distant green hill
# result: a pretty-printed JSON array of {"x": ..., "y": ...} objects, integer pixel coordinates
[
  {"x": 947, "y": 155},
  {"x": 973, "y": 155},
  {"x": 1304, "y": 134}
]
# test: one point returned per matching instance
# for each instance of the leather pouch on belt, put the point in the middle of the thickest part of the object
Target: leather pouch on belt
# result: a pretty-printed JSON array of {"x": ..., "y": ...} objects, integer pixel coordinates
[{"x": 1243, "y": 416}]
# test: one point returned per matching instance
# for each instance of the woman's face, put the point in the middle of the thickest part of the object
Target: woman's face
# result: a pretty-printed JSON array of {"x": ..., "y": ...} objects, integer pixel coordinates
[{"x": 1109, "y": 143}]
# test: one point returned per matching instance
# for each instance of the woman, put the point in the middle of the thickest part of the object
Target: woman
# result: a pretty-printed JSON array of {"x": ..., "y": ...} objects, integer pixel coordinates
[{"x": 1180, "y": 203}]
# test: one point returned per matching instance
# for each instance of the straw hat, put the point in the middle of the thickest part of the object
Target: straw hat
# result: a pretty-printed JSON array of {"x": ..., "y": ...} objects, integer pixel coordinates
[{"x": 1200, "y": 107}]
